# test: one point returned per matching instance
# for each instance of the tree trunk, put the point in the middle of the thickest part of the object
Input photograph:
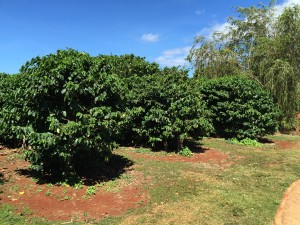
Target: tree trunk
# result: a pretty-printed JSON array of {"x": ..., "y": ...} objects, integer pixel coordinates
[{"x": 179, "y": 144}]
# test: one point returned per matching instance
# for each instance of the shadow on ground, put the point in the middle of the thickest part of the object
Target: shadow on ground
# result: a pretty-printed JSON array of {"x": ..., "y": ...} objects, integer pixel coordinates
[
  {"x": 195, "y": 146},
  {"x": 2, "y": 180},
  {"x": 265, "y": 141},
  {"x": 106, "y": 171}
]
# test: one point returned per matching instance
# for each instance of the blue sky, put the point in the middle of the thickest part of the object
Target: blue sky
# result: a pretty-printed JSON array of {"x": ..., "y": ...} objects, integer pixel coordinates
[{"x": 160, "y": 30}]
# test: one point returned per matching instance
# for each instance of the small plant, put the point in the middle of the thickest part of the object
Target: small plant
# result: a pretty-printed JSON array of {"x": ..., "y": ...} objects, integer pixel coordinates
[
  {"x": 125, "y": 176},
  {"x": 110, "y": 185},
  {"x": 48, "y": 193},
  {"x": 234, "y": 141},
  {"x": 186, "y": 152},
  {"x": 38, "y": 190},
  {"x": 78, "y": 185},
  {"x": 251, "y": 142},
  {"x": 246, "y": 142},
  {"x": 91, "y": 190}
]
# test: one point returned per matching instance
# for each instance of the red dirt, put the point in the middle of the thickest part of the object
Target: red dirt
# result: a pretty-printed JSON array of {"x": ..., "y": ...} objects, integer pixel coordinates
[
  {"x": 209, "y": 155},
  {"x": 283, "y": 145},
  {"x": 66, "y": 203}
]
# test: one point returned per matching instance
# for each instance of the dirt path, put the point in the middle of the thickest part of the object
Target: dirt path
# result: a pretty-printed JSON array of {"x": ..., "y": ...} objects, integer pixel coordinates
[{"x": 288, "y": 212}]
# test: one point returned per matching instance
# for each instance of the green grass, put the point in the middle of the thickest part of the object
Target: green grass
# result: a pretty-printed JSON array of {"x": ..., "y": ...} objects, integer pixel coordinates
[
  {"x": 248, "y": 191},
  {"x": 8, "y": 217},
  {"x": 284, "y": 137}
]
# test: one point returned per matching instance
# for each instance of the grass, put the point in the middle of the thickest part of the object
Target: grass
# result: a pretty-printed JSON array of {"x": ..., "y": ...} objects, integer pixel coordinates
[
  {"x": 284, "y": 137},
  {"x": 8, "y": 217},
  {"x": 248, "y": 191}
]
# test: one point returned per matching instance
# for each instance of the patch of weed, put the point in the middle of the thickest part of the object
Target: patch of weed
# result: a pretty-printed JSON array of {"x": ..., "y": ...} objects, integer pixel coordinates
[
  {"x": 186, "y": 152},
  {"x": 48, "y": 193},
  {"x": 90, "y": 190}
]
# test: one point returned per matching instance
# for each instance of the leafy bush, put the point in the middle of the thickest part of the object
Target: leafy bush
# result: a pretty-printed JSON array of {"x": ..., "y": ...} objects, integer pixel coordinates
[
  {"x": 13, "y": 111},
  {"x": 186, "y": 152},
  {"x": 164, "y": 109},
  {"x": 246, "y": 142},
  {"x": 130, "y": 69},
  {"x": 70, "y": 109},
  {"x": 71, "y": 112},
  {"x": 127, "y": 66},
  {"x": 240, "y": 108}
]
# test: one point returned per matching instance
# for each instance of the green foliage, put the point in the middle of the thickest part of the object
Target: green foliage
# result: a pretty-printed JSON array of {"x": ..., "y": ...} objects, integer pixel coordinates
[
  {"x": 48, "y": 193},
  {"x": 127, "y": 66},
  {"x": 212, "y": 61},
  {"x": 276, "y": 64},
  {"x": 246, "y": 142},
  {"x": 65, "y": 108},
  {"x": 240, "y": 108},
  {"x": 263, "y": 47},
  {"x": 164, "y": 109},
  {"x": 91, "y": 190},
  {"x": 70, "y": 109},
  {"x": 13, "y": 112},
  {"x": 9, "y": 216},
  {"x": 186, "y": 152}
]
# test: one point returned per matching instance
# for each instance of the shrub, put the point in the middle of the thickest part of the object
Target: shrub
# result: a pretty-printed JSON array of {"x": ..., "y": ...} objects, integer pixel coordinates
[
  {"x": 240, "y": 108},
  {"x": 130, "y": 69},
  {"x": 246, "y": 142},
  {"x": 165, "y": 109},
  {"x": 186, "y": 152},
  {"x": 72, "y": 114},
  {"x": 12, "y": 110},
  {"x": 127, "y": 66}
]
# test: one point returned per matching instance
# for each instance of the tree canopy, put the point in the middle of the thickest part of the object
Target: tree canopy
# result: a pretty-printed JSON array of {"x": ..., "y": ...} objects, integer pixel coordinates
[{"x": 260, "y": 45}]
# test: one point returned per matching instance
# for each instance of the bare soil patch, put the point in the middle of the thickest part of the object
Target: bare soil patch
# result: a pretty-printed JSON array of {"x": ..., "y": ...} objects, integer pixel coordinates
[
  {"x": 65, "y": 203},
  {"x": 284, "y": 145},
  {"x": 208, "y": 155}
]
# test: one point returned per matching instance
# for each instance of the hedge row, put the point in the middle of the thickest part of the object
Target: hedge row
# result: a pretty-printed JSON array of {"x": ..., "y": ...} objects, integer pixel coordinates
[{"x": 70, "y": 110}]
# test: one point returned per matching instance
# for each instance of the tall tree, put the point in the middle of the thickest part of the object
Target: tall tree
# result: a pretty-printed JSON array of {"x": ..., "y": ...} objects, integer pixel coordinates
[
  {"x": 275, "y": 62},
  {"x": 261, "y": 45}
]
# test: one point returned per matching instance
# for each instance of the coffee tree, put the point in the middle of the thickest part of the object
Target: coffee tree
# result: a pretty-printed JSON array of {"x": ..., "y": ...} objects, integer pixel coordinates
[
  {"x": 12, "y": 110},
  {"x": 240, "y": 107},
  {"x": 165, "y": 110},
  {"x": 74, "y": 116}
]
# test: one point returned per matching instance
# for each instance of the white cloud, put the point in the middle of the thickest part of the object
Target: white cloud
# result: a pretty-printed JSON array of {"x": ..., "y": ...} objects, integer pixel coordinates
[
  {"x": 177, "y": 56},
  {"x": 150, "y": 37},
  {"x": 221, "y": 27},
  {"x": 209, "y": 31},
  {"x": 200, "y": 12},
  {"x": 174, "y": 57},
  {"x": 279, "y": 8}
]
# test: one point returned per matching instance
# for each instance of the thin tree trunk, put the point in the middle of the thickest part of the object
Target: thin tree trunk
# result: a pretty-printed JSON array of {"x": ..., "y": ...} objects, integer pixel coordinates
[{"x": 179, "y": 144}]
